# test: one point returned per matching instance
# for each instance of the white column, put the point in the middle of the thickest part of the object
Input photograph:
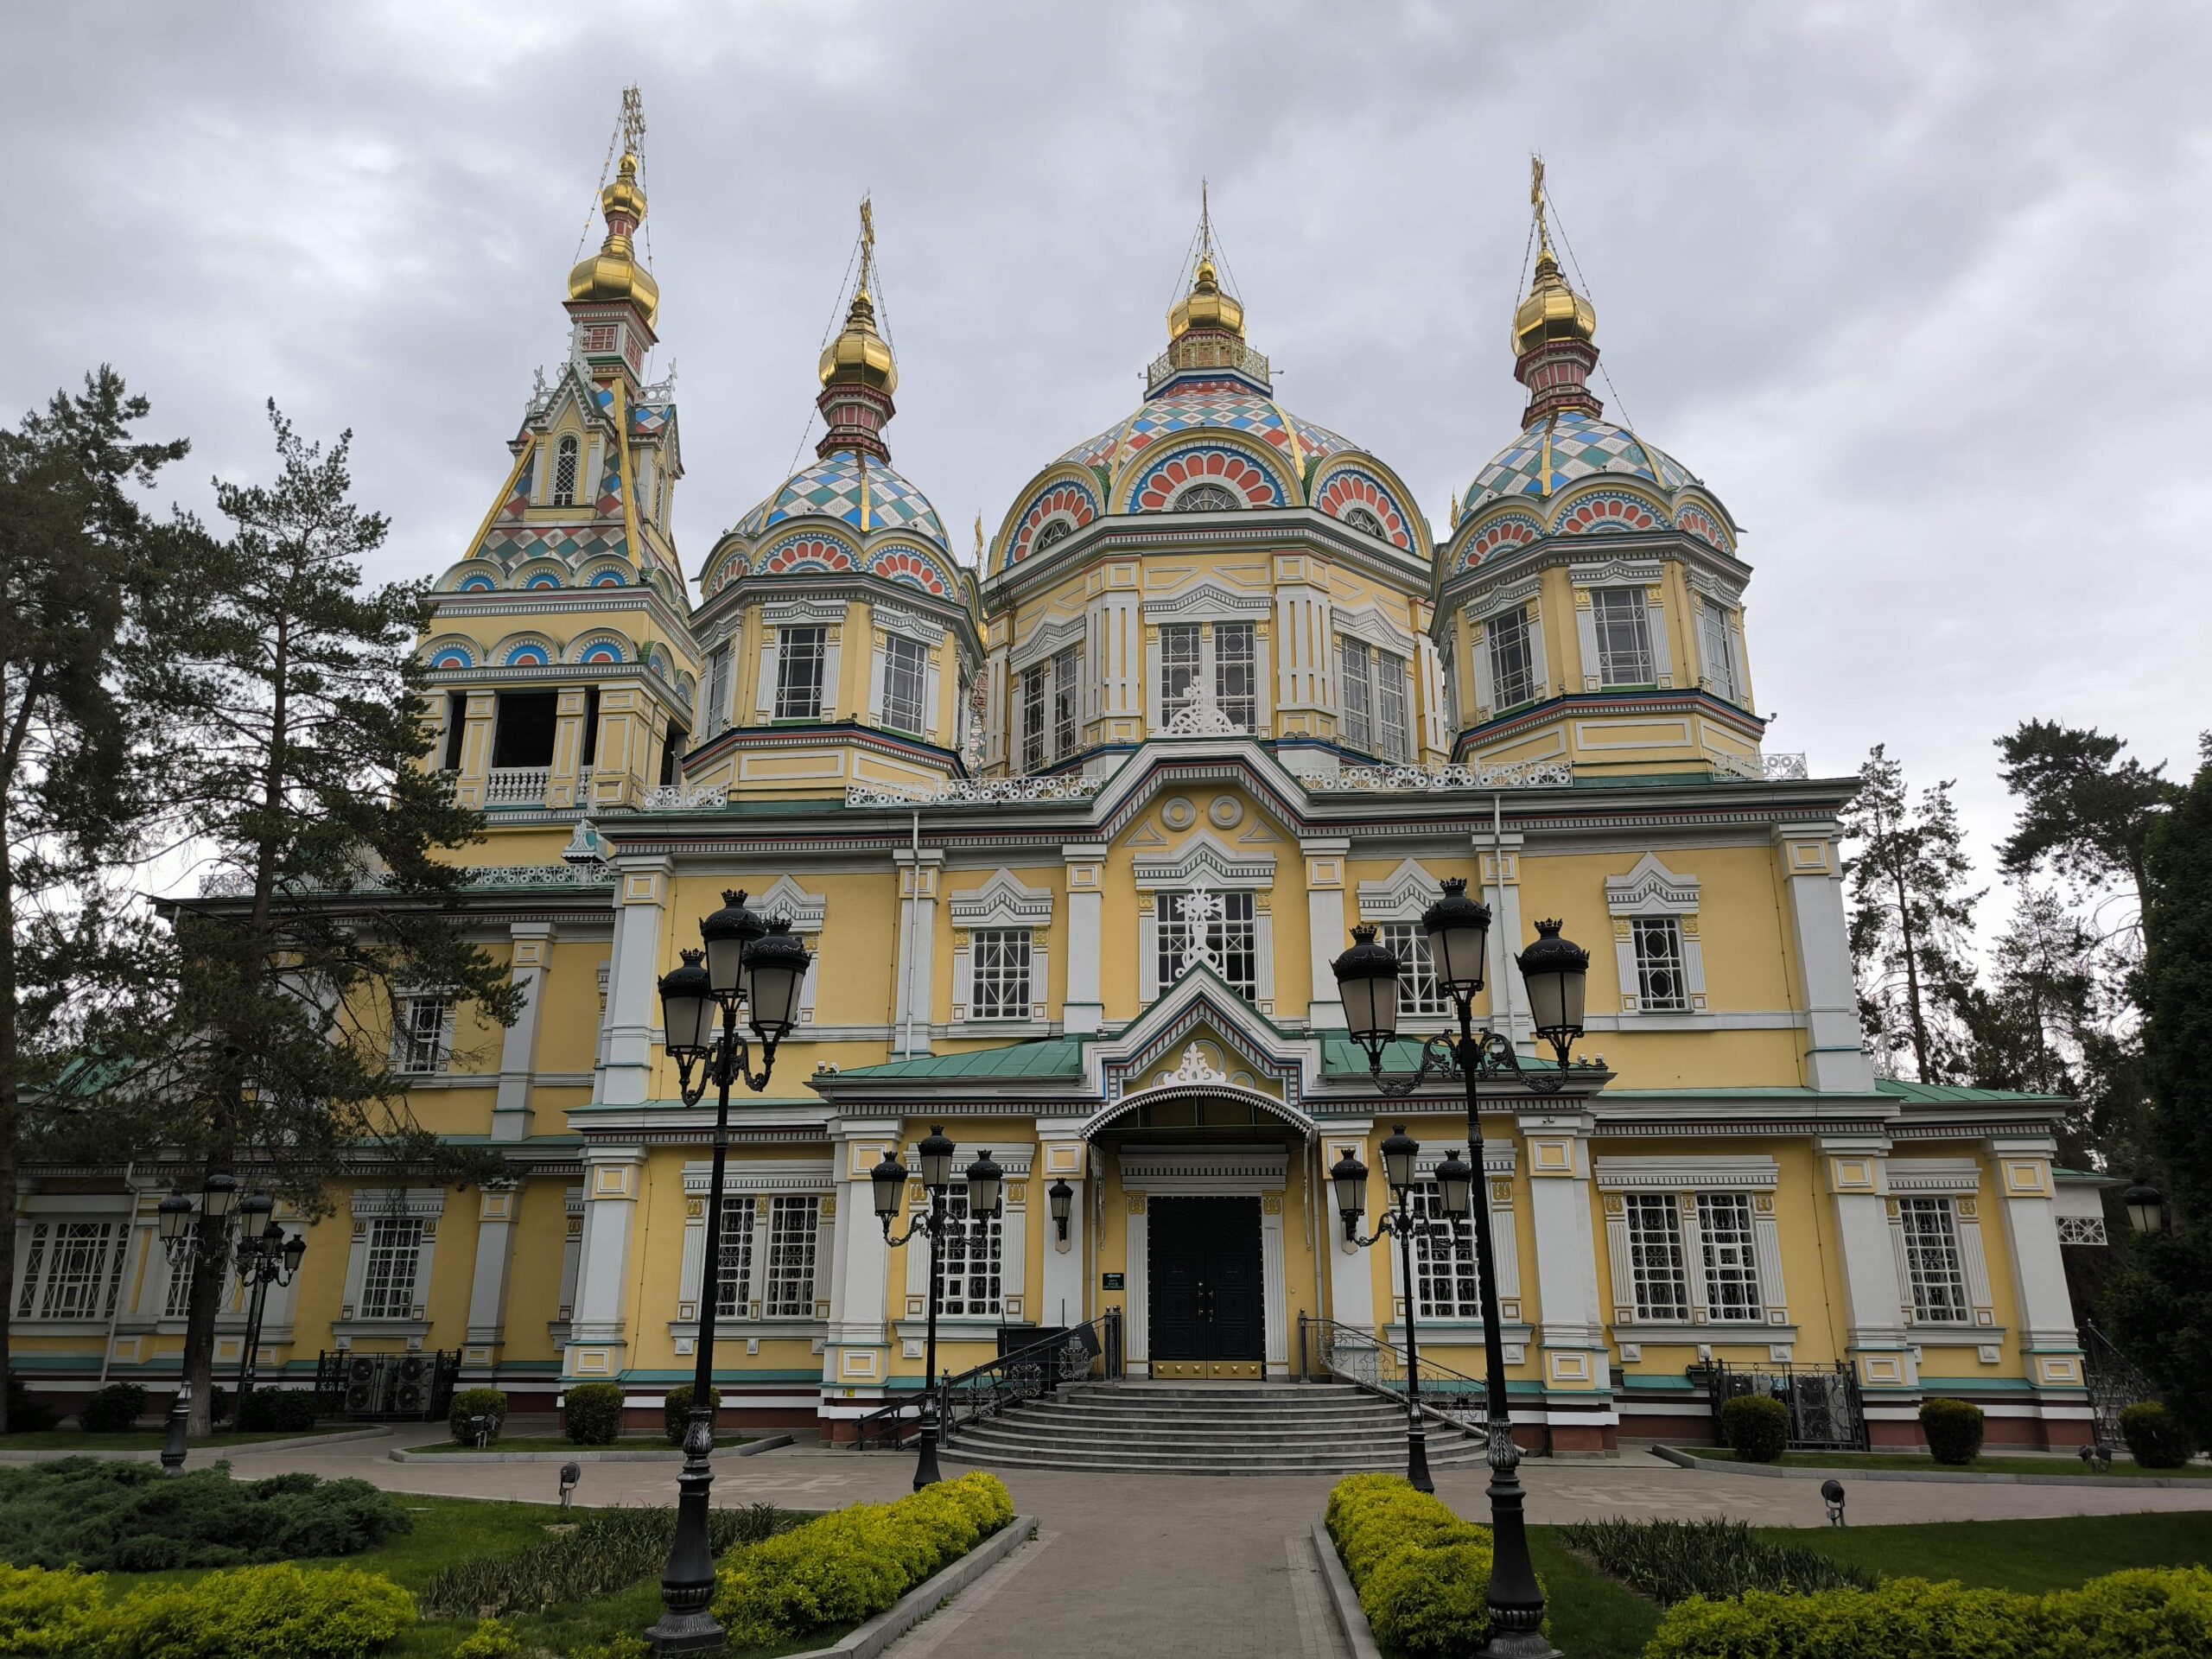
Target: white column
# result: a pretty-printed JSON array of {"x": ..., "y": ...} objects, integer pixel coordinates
[
  {"x": 1275, "y": 1288},
  {"x": 917, "y": 890},
  {"x": 487, "y": 1286},
  {"x": 857, "y": 1355},
  {"x": 1351, "y": 1274},
  {"x": 598, "y": 1334},
  {"x": 641, "y": 896},
  {"x": 2049, "y": 1341},
  {"x": 1136, "y": 1337},
  {"x": 1572, "y": 1331},
  {"x": 1324, "y": 922},
  {"x": 1836, "y": 1055},
  {"x": 1856, "y": 1168},
  {"x": 1065, "y": 1276},
  {"x": 1497, "y": 861},
  {"x": 1084, "y": 1006},
  {"x": 533, "y": 949}
]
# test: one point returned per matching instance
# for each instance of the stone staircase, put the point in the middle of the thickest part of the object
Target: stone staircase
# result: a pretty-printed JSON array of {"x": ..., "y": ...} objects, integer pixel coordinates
[{"x": 1210, "y": 1429}]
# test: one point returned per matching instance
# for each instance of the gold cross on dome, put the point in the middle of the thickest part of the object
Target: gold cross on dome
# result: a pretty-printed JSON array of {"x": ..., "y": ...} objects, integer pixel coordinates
[{"x": 867, "y": 242}]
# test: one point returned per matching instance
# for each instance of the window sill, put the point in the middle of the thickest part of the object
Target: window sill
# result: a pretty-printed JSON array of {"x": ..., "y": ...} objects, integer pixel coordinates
[
  {"x": 1954, "y": 1336},
  {"x": 796, "y": 1328},
  {"x": 380, "y": 1327},
  {"x": 1730, "y": 1333}
]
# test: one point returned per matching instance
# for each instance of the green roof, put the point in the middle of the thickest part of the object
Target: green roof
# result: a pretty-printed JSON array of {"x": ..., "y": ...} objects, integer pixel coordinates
[
  {"x": 1952, "y": 1094},
  {"x": 1341, "y": 1056},
  {"x": 1054, "y": 1057}
]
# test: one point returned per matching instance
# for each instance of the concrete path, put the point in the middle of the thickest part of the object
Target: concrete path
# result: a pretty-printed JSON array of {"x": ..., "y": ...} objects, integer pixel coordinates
[{"x": 1176, "y": 1564}]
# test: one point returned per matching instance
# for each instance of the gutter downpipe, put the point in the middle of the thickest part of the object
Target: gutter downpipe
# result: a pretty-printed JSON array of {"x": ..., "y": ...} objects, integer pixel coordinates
[{"x": 913, "y": 909}]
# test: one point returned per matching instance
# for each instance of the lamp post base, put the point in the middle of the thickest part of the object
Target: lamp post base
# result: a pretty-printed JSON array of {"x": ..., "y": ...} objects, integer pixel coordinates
[
  {"x": 688, "y": 1633},
  {"x": 173, "y": 1452},
  {"x": 1417, "y": 1457},
  {"x": 1516, "y": 1644},
  {"x": 925, "y": 1472},
  {"x": 687, "y": 1588}
]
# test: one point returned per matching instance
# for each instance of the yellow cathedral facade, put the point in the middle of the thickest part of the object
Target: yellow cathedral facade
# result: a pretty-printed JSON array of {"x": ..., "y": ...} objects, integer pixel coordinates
[{"x": 1073, "y": 831}]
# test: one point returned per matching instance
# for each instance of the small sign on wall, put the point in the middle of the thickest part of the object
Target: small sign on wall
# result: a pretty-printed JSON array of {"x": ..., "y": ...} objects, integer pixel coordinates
[{"x": 1113, "y": 1280}]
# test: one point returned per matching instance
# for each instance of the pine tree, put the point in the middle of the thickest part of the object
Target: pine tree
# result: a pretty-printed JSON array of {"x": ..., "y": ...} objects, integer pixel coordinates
[
  {"x": 300, "y": 706},
  {"x": 79, "y": 559},
  {"x": 1910, "y": 914},
  {"x": 2084, "y": 810}
]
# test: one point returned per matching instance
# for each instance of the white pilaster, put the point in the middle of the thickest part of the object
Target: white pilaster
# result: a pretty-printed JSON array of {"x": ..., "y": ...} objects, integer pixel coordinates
[
  {"x": 597, "y": 1335},
  {"x": 1572, "y": 1332},
  {"x": 1136, "y": 1334},
  {"x": 1084, "y": 1006},
  {"x": 641, "y": 896},
  {"x": 1856, "y": 1172},
  {"x": 1812, "y": 873},
  {"x": 487, "y": 1285},
  {"x": 1351, "y": 1274},
  {"x": 532, "y": 957},
  {"x": 1324, "y": 919},
  {"x": 2049, "y": 1341},
  {"x": 856, "y": 1356},
  {"x": 1065, "y": 1272},
  {"x": 918, "y": 894},
  {"x": 1497, "y": 861}
]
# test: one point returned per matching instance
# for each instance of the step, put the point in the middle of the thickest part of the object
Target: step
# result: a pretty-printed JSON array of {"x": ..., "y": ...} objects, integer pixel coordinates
[
  {"x": 1137, "y": 1422},
  {"x": 1242, "y": 1445},
  {"x": 1144, "y": 1463}
]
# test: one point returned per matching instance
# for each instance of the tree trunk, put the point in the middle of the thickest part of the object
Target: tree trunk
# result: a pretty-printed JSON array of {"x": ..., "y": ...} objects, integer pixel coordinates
[
  {"x": 11, "y": 1110},
  {"x": 210, "y": 1276}
]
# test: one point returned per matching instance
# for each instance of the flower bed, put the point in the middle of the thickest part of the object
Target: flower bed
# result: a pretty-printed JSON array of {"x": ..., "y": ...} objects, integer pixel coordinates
[
  {"x": 1673, "y": 1561},
  {"x": 278, "y": 1612},
  {"x": 1422, "y": 1573},
  {"x": 845, "y": 1568},
  {"x": 2147, "y": 1613}
]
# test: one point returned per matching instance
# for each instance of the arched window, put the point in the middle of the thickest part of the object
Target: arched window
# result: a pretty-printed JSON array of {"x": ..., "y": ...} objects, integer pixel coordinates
[
  {"x": 1207, "y": 498},
  {"x": 564, "y": 473},
  {"x": 1058, "y": 529},
  {"x": 1361, "y": 518}
]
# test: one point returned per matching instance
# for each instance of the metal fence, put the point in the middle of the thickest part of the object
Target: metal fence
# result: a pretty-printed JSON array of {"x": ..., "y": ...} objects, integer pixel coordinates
[{"x": 1827, "y": 1412}]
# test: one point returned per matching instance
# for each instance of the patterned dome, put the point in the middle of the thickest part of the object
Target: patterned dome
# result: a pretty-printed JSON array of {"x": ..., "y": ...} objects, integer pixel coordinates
[
  {"x": 866, "y": 492},
  {"x": 1227, "y": 402},
  {"x": 1572, "y": 446}
]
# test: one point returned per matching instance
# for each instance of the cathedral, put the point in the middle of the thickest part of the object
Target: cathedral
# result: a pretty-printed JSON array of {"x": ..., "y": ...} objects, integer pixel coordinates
[{"x": 1073, "y": 828}]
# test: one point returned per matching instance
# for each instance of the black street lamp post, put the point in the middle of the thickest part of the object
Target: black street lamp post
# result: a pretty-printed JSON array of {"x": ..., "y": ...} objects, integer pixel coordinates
[
  {"x": 1453, "y": 1182},
  {"x": 1554, "y": 971},
  {"x": 755, "y": 963},
  {"x": 984, "y": 1179},
  {"x": 199, "y": 1235},
  {"x": 265, "y": 1257}
]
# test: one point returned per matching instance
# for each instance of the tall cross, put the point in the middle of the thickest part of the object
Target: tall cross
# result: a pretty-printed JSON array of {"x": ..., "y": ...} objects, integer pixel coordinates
[
  {"x": 1536, "y": 200},
  {"x": 633, "y": 122},
  {"x": 979, "y": 541},
  {"x": 1206, "y": 225},
  {"x": 867, "y": 242}
]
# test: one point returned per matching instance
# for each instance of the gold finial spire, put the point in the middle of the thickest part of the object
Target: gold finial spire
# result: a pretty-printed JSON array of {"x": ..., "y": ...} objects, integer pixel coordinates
[
  {"x": 1553, "y": 311},
  {"x": 615, "y": 273},
  {"x": 867, "y": 242},
  {"x": 1537, "y": 203},
  {"x": 979, "y": 537},
  {"x": 1205, "y": 306},
  {"x": 860, "y": 355}
]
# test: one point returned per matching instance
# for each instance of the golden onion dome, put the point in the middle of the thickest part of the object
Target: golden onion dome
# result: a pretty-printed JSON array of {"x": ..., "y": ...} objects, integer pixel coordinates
[
  {"x": 860, "y": 356},
  {"x": 1553, "y": 311},
  {"x": 613, "y": 272},
  {"x": 1206, "y": 307}
]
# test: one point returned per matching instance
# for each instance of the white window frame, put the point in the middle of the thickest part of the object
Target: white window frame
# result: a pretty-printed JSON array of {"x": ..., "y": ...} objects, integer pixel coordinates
[
  {"x": 1662, "y": 964},
  {"x": 715, "y": 717},
  {"x": 1355, "y": 693},
  {"x": 1204, "y": 861},
  {"x": 1446, "y": 1282},
  {"x": 973, "y": 1259},
  {"x": 568, "y": 462},
  {"x": 92, "y": 1249},
  {"x": 1234, "y": 932},
  {"x": 782, "y": 1276},
  {"x": 1599, "y": 671},
  {"x": 1650, "y": 892},
  {"x": 396, "y": 1241},
  {"x": 1524, "y": 595},
  {"x": 422, "y": 1036},
  {"x": 1495, "y": 1188},
  {"x": 1621, "y": 618},
  {"x": 1002, "y": 975},
  {"x": 905, "y": 685},
  {"x": 1721, "y": 657},
  {"x": 1513, "y": 663},
  {"x": 793, "y": 1226},
  {"x": 1373, "y": 703},
  {"x": 1659, "y": 1272},
  {"x": 1727, "y": 1232},
  {"x": 799, "y": 696},
  {"x": 1657, "y": 1210},
  {"x": 425, "y": 1205},
  {"x": 1242, "y": 706},
  {"x": 734, "y": 1281},
  {"x": 1928, "y": 1230},
  {"x": 1206, "y": 606},
  {"x": 1421, "y": 995},
  {"x": 1173, "y": 659},
  {"x": 1003, "y": 904}
]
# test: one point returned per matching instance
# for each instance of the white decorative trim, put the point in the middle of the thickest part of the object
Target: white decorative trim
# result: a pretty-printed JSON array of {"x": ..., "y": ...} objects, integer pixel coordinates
[
  {"x": 681, "y": 798},
  {"x": 1924, "y": 1177},
  {"x": 804, "y": 910},
  {"x": 1207, "y": 601},
  {"x": 978, "y": 791},
  {"x": 1368, "y": 622},
  {"x": 1003, "y": 901},
  {"x": 1504, "y": 596},
  {"x": 1048, "y": 639},
  {"x": 1523, "y": 774},
  {"x": 1203, "y": 861},
  {"x": 923, "y": 631},
  {"x": 1616, "y": 573},
  {"x": 1708, "y": 1173},
  {"x": 1651, "y": 889},
  {"x": 803, "y": 613}
]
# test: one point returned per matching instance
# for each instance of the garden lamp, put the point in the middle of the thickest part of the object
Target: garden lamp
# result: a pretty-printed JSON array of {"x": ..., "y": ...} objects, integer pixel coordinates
[{"x": 1061, "y": 1196}]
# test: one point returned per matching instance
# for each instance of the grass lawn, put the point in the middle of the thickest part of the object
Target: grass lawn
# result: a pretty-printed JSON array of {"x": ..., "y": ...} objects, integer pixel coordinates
[
  {"x": 563, "y": 1443},
  {"x": 1592, "y": 1617},
  {"x": 1925, "y": 1465},
  {"x": 449, "y": 1529},
  {"x": 64, "y": 1440}
]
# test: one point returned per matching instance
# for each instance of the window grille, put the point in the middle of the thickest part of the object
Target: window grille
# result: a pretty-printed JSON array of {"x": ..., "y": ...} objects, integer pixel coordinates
[
  {"x": 906, "y": 682},
  {"x": 1220, "y": 929},
  {"x": 177, "y": 1302},
  {"x": 970, "y": 1261},
  {"x": 717, "y": 710},
  {"x": 422, "y": 1045},
  {"x": 1445, "y": 1283},
  {"x": 1662, "y": 981},
  {"x": 1000, "y": 959},
  {"x": 72, "y": 1270},
  {"x": 1392, "y": 734},
  {"x": 1932, "y": 1261},
  {"x": 1207, "y": 498},
  {"x": 1719, "y": 661},
  {"x": 1067, "y": 682},
  {"x": 1355, "y": 677},
  {"x": 1418, "y": 989},
  {"x": 1447, "y": 663},
  {"x": 1035, "y": 751},
  {"x": 792, "y": 1221},
  {"x": 564, "y": 473},
  {"x": 734, "y": 1277},
  {"x": 388, "y": 1278},
  {"x": 1730, "y": 1258},
  {"x": 1360, "y": 518},
  {"x": 1178, "y": 668},
  {"x": 1056, "y": 531},
  {"x": 800, "y": 654},
  {"x": 1655, "y": 1263},
  {"x": 1235, "y": 672},
  {"x": 1623, "y": 627},
  {"x": 1512, "y": 660}
]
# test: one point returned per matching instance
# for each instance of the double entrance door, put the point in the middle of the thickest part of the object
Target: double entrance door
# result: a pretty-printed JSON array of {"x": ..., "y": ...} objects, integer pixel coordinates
[{"x": 1206, "y": 1287}]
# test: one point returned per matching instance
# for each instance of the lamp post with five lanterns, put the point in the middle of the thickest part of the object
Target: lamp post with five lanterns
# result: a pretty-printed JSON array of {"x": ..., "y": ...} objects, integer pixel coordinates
[
  {"x": 1554, "y": 971},
  {"x": 192, "y": 1235}
]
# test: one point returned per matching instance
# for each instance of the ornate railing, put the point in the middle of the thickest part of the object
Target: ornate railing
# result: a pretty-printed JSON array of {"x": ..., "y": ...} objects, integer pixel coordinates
[
  {"x": 1216, "y": 354},
  {"x": 1757, "y": 768},
  {"x": 1351, "y": 1354},
  {"x": 1827, "y": 1413},
  {"x": 516, "y": 786},
  {"x": 1526, "y": 774},
  {"x": 2114, "y": 1383},
  {"x": 998, "y": 1385},
  {"x": 980, "y": 791},
  {"x": 681, "y": 798},
  {"x": 230, "y": 884}
]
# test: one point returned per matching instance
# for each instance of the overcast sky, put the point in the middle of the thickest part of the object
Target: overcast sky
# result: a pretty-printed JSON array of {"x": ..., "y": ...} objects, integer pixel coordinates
[{"x": 1919, "y": 291}]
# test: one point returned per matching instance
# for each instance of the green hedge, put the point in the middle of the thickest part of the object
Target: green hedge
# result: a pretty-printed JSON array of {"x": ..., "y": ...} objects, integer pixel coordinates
[
  {"x": 1756, "y": 1428},
  {"x": 280, "y": 1612},
  {"x": 290, "y": 1411},
  {"x": 2149, "y": 1613},
  {"x": 129, "y": 1517},
  {"x": 2155, "y": 1436},
  {"x": 591, "y": 1414},
  {"x": 29, "y": 1412},
  {"x": 1423, "y": 1574},
  {"x": 114, "y": 1409},
  {"x": 850, "y": 1566},
  {"x": 1954, "y": 1429},
  {"x": 476, "y": 1402}
]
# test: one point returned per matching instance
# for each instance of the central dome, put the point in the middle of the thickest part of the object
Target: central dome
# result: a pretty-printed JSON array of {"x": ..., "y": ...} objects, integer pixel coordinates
[
  {"x": 849, "y": 484},
  {"x": 1232, "y": 403},
  {"x": 1562, "y": 447}
]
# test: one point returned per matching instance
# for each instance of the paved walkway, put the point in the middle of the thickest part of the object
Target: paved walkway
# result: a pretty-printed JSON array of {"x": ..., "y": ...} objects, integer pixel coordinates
[{"x": 1210, "y": 1565}]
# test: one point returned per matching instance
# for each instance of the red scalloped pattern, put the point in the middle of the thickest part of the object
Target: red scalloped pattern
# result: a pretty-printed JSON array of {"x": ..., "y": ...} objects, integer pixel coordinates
[
  {"x": 1218, "y": 466},
  {"x": 1346, "y": 489},
  {"x": 1699, "y": 522},
  {"x": 807, "y": 553},
  {"x": 899, "y": 564},
  {"x": 1063, "y": 501},
  {"x": 1597, "y": 513}
]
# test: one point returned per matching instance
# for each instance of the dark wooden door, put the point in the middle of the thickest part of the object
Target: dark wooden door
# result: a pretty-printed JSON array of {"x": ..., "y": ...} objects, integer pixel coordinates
[{"x": 1207, "y": 1286}]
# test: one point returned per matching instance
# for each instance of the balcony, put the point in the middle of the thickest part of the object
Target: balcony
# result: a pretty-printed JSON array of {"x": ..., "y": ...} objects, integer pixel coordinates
[{"x": 515, "y": 786}]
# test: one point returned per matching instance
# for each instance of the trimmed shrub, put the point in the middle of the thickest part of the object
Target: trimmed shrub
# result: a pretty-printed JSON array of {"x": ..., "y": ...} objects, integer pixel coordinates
[
  {"x": 675, "y": 1411},
  {"x": 849, "y": 1565},
  {"x": 607, "y": 1550},
  {"x": 1756, "y": 1428},
  {"x": 256, "y": 1612},
  {"x": 277, "y": 1411},
  {"x": 129, "y": 1517},
  {"x": 477, "y": 1403},
  {"x": 2155, "y": 1436},
  {"x": 592, "y": 1413},
  {"x": 2149, "y": 1613},
  {"x": 27, "y": 1412},
  {"x": 1423, "y": 1574},
  {"x": 1673, "y": 1561},
  {"x": 489, "y": 1640},
  {"x": 1954, "y": 1428},
  {"x": 114, "y": 1409}
]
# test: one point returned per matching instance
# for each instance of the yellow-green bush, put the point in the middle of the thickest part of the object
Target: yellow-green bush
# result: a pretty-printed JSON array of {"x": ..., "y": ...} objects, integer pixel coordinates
[
  {"x": 490, "y": 1640},
  {"x": 279, "y": 1611},
  {"x": 1421, "y": 1573},
  {"x": 854, "y": 1564},
  {"x": 2149, "y": 1613},
  {"x": 41, "y": 1607}
]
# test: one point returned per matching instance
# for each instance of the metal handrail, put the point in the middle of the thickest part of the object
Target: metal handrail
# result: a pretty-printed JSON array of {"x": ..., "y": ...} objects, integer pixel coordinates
[
  {"x": 986, "y": 1390},
  {"x": 1373, "y": 1374}
]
